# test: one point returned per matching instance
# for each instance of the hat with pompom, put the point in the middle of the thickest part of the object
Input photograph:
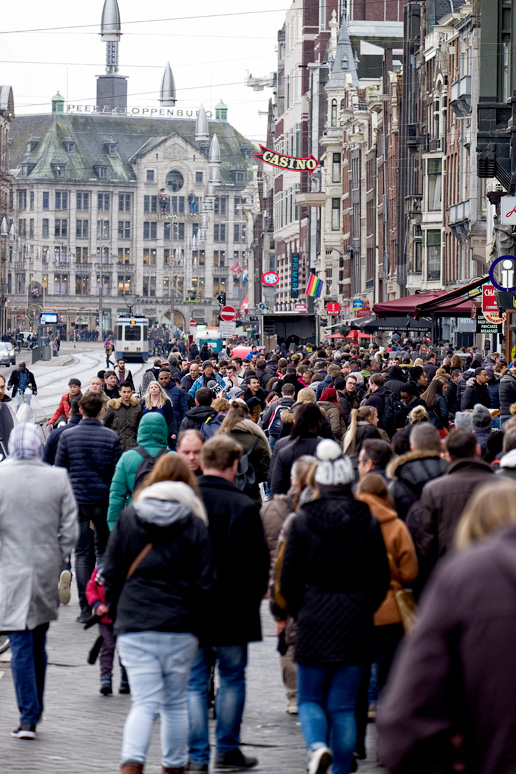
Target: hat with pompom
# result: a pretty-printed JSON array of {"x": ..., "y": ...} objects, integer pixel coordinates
[{"x": 334, "y": 467}]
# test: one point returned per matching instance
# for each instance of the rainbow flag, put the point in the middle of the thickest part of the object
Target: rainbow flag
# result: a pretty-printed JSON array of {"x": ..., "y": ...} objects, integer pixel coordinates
[{"x": 314, "y": 287}]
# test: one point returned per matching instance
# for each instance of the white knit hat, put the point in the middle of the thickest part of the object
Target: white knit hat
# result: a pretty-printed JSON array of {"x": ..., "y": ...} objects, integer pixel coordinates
[{"x": 334, "y": 468}]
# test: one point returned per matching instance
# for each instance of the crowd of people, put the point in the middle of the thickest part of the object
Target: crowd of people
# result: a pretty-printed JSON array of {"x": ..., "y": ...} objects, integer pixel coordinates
[{"x": 354, "y": 489}]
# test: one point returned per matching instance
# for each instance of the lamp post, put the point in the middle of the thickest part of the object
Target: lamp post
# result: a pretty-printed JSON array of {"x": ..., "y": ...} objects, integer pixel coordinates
[{"x": 4, "y": 241}]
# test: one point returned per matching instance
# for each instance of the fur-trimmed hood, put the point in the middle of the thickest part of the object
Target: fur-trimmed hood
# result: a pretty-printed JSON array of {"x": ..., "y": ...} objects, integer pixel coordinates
[
  {"x": 394, "y": 468},
  {"x": 115, "y": 403}
]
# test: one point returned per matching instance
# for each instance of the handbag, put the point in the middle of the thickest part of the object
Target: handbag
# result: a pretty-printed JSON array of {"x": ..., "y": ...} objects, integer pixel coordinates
[{"x": 404, "y": 599}]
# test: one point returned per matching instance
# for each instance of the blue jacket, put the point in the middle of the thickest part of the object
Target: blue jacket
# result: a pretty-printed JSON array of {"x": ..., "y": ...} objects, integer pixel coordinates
[
  {"x": 89, "y": 452},
  {"x": 179, "y": 402},
  {"x": 50, "y": 450},
  {"x": 201, "y": 381}
]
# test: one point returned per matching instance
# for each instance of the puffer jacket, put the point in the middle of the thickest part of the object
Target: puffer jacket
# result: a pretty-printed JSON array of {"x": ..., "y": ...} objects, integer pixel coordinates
[
  {"x": 507, "y": 393},
  {"x": 410, "y": 472},
  {"x": 334, "y": 577},
  {"x": 335, "y": 418},
  {"x": 473, "y": 394},
  {"x": 152, "y": 435},
  {"x": 124, "y": 420},
  {"x": 90, "y": 453}
]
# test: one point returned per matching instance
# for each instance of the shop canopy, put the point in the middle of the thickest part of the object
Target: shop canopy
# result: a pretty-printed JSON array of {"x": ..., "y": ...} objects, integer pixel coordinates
[
  {"x": 374, "y": 323},
  {"x": 444, "y": 303}
]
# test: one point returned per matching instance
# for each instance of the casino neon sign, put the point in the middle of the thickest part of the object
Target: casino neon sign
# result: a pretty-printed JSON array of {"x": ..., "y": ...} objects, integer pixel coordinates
[{"x": 288, "y": 163}]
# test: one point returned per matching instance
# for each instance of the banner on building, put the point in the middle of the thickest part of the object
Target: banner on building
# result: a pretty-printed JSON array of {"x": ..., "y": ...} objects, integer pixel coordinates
[
  {"x": 291, "y": 163},
  {"x": 294, "y": 275}
]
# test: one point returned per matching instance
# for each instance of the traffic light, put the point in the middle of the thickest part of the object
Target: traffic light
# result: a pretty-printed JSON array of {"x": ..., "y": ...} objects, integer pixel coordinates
[{"x": 221, "y": 298}]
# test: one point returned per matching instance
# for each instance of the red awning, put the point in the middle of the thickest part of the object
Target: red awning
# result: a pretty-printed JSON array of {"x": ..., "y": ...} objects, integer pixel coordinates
[
  {"x": 405, "y": 305},
  {"x": 453, "y": 303}
]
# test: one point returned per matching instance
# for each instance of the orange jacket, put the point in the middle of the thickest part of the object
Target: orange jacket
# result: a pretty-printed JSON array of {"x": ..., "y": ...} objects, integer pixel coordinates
[
  {"x": 399, "y": 545},
  {"x": 62, "y": 410}
]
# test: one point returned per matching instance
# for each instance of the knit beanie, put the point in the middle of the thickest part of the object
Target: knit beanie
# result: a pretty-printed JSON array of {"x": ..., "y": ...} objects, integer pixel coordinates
[
  {"x": 463, "y": 420},
  {"x": 481, "y": 418},
  {"x": 334, "y": 468}
]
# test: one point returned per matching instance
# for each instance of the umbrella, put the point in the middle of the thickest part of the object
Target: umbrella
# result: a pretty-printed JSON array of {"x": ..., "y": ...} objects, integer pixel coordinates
[{"x": 336, "y": 336}]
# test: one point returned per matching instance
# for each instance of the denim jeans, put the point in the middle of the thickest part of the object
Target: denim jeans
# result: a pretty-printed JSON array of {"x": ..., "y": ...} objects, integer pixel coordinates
[
  {"x": 28, "y": 667},
  {"x": 327, "y": 710},
  {"x": 229, "y": 706},
  {"x": 84, "y": 558},
  {"x": 158, "y": 665}
]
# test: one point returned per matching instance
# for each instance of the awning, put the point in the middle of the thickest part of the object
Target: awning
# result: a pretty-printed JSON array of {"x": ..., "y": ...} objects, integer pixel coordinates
[
  {"x": 452, "y": 304},
  {"x": 374, "y": 323},
  {"x": 405, "y": 305}
]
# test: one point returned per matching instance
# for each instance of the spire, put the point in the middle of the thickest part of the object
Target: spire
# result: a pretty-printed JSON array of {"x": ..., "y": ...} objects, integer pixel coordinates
[
  {"x": 344, "y": 65},
  {"x": 167, "y": 95},
  {"x": 202, "y": 132},
  {"x": 214, "y": 157},
  {"x": 110, "y": 27}
]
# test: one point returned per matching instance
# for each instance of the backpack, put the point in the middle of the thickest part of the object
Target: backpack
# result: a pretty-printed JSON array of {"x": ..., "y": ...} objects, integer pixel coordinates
[
  {"x": 210, "y": 427},
  {"x": 246, "y": 476},
  {"x": 146, "y": 465},
  {"x": 275, "y": 425},
  {"x": 392, "y": 408}
]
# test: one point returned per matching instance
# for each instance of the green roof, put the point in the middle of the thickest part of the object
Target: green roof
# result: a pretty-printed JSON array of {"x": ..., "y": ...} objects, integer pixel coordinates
[
  {"x": 58, "y": 98},
  {"x": 134, "y": 136}
]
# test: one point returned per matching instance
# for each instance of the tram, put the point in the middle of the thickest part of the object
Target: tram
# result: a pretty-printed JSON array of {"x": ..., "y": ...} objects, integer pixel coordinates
[{"x": 132, "y": 342}]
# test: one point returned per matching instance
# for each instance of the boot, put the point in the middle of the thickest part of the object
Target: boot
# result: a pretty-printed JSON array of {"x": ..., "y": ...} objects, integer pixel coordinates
[{"x": 131, "y": 767}]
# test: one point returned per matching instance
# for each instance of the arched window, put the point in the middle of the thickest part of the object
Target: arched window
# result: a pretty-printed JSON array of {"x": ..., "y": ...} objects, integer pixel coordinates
[{"x": 334, "y": 112}]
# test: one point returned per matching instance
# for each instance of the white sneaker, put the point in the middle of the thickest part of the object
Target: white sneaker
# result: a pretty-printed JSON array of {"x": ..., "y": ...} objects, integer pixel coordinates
[
  {"x": 320, "y": 760},
  {"x": 65, "y": 580},
  {"x": 292, "y": 707}
]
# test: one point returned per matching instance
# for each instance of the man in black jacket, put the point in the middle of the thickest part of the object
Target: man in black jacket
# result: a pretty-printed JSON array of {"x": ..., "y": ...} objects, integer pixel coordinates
[
  {"x": 89, "y": 452},
  {"x": 241, "y": 561},
  {"x": 201, "y": 412},
  {"x": 476, "y": 391}
]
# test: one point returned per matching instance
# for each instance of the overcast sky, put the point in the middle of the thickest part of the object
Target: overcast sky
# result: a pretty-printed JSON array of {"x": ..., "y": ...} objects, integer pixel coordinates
[{"x": 210, "y": 54}]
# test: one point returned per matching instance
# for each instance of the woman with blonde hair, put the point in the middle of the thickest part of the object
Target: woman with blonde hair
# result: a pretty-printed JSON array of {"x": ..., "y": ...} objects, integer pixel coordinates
[
  {"x": 157, "y": 401},
  {"x": 489, "y": 509},
  {"x": 363, "y": 425},
  {"x": 239, "y": 425}
]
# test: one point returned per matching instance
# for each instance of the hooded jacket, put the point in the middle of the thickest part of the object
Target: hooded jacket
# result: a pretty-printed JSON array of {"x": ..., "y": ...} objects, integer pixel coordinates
[
  {"x": 169, "y": 589},
  {"x": 248, "y": 434},
  {"x": 399, "y": 545},
  {"x": 124, "y": 420},
  {"x": 334, "y": 577},
  {"x": 410, "y": 472},
  {"x": 466, "y": 631},
  {"x": 473, "y": 394},
  {"x": 196, "y": 417},
  {"x": 395, "y": 382},
  {"x": 152, "y": 435},
  {"x": 507, "y": 392}
]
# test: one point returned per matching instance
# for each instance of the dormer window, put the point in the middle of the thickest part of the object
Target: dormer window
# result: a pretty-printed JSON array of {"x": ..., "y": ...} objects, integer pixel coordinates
[
  {"x": 238, "y": 175},
  {"x": 110, "y": 146},
  {"x": 32, "y": 143},
  {"x": 58, "y": 168},
  {"x": 27, "y": 169},
  {"x": 69, "y": 146},
  {"x": 101, "y": 169}
]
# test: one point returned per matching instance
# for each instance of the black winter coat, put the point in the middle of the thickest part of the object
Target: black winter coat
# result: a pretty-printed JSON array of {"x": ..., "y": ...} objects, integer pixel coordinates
[
  {"x": 334, "y": 577},
  {"x": 169, "y": 589},
  {"x": 50, "y": 450},
  {"x": 377, "y": 399},
  {"x": 241, "y": 561},
  {"x": 452, "y": 398},
  {"x": 281, "y": 466},
  {"x": 411, "y": 472},
  {"x": 473, "y": 394},
  {"x": 196, "y": 417},
  {"x": 507, "y": 393},
  {"x": 89, "y": 452}
]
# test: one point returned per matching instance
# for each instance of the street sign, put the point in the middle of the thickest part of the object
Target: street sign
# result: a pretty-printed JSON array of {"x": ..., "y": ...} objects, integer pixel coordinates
[
  {"x": 508, "y": 209},
  {"x": 486, "y": 327},
  {"x": 227, "y": 313},
  {"x": 489, "y": 302},
  {"x": 227, "y": 329},
  {"x": 300, "y": 308},
  {"x": 193, "y": 323},
  {"x": 270, "y": 278},
  {"x": 358, "y": 303}
]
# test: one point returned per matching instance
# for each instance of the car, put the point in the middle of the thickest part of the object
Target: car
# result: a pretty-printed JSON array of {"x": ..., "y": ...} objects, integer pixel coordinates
[{"x": 7, "y": 354}]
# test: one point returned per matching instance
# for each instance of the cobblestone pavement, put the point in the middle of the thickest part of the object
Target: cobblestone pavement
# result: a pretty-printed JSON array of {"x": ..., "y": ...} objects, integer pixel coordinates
[{"x": 82, "y": 731}]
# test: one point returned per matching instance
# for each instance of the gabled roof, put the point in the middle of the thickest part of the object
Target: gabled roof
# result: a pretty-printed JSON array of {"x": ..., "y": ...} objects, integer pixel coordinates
[{"x": 133, "y": 136}]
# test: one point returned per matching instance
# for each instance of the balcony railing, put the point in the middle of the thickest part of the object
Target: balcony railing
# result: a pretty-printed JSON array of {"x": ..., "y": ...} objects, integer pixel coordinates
[{"x": 459, "y": 212}]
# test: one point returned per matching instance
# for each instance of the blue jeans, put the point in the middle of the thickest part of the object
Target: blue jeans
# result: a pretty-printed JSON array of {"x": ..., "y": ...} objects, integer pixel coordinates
[
  {"x": 158, "y": 665},
  {"x": 229, "y": 706},
  {"x": 327, "y": 710},
  {"x": 28, "y": 667}
]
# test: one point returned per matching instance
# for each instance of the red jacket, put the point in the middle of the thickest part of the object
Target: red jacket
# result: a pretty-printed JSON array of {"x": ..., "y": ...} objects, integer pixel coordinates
[
  {"x": 96, "y": 593},
  {"x": 63, "y": 409}
]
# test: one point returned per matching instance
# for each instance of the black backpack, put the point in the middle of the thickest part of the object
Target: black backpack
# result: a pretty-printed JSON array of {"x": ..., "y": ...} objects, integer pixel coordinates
[
  {"x": 393, "y": 406},
  {"x": 246, "y": 476},
  {"x": 147, "y": 464}
]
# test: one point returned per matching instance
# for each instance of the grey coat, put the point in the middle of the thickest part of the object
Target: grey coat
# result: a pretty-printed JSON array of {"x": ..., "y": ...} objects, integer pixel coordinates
[{"x": 38, "y": 529}]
